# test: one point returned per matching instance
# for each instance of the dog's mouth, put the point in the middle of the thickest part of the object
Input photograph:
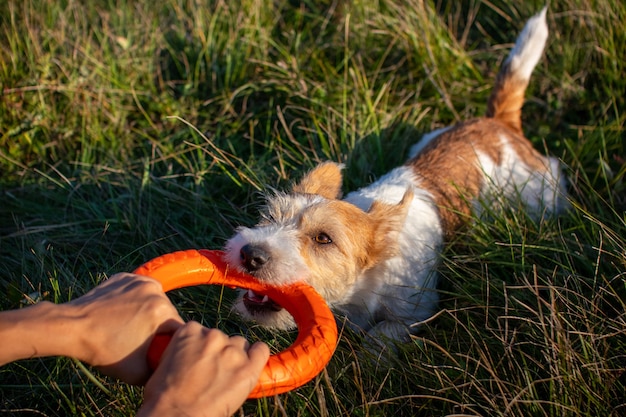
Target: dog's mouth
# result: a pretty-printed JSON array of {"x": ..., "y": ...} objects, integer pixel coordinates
[{"x": 257, "y": 303}]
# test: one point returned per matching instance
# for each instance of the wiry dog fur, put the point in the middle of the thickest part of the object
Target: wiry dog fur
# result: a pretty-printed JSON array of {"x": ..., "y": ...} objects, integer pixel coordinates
[{"x": 373, "y": 255}]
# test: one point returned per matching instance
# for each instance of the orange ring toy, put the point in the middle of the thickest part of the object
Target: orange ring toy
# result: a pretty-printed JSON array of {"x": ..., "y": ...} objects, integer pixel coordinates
[{"x": 287, "y": 370}]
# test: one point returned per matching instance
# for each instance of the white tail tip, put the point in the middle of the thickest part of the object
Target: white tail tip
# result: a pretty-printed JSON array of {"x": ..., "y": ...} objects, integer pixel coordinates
[{"x": 529, "y": 46}]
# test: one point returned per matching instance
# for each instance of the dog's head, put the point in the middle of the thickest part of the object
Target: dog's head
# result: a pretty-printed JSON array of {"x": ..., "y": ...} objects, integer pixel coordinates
[{"x": 310, "y": 235}]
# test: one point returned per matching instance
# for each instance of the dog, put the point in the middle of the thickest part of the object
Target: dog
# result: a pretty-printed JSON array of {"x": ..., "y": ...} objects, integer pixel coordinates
[{"x": 373, "y": 255}]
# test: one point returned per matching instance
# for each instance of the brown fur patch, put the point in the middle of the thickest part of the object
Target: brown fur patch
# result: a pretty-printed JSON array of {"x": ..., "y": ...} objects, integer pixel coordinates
[
  {"x": 357, "y": 241},
  {"x": 324, "y": 180},
  {"x": 448, "y": 166},
  {"x": 388, "y": 220}
]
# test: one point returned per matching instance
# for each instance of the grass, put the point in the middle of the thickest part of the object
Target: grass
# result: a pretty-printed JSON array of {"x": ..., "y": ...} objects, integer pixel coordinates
[{"x": 132, "y": 129}]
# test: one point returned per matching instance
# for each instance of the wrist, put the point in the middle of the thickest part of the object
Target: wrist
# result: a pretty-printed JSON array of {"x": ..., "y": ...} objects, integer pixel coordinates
[{"x": 36, "y": 331}]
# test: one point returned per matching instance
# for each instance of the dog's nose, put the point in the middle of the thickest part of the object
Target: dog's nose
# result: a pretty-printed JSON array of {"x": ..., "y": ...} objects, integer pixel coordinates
[{"x": 253, "y": 257}]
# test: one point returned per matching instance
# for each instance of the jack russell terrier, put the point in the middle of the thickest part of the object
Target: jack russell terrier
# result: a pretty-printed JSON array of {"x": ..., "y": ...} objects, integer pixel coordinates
[{"x": 373, "y": 255}]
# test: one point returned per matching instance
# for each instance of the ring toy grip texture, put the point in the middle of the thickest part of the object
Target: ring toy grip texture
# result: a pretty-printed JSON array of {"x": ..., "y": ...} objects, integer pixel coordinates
[{"x": 284, "y": 371}]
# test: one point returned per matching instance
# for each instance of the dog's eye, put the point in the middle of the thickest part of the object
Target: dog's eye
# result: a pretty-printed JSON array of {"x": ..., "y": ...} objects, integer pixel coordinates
[{"x": 322, "y": 238}]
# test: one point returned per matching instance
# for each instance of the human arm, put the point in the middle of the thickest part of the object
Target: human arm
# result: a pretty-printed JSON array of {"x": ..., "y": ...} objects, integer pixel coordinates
[
  {"x": 203, "y": 372},
  {"x": 110, "y": 327}
]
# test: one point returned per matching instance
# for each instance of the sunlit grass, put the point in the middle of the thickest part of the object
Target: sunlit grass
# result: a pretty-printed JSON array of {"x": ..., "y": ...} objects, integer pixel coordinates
[{"x": 133, "y": 129}]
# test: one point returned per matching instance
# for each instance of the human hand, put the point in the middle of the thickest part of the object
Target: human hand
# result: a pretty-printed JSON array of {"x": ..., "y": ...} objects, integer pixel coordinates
[
  {"x": 116, "y": 323},
  {"x": 203, "y": 372}
]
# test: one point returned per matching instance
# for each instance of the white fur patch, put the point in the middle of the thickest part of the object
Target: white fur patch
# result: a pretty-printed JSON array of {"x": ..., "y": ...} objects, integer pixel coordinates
[
  {"x": 403, "y": 289},
  {"x": 516, "y": 181},
  {"x": 282, "y": 241},
  {"x": 529, "y": 46},
  {"x": 425, "y": 140}
]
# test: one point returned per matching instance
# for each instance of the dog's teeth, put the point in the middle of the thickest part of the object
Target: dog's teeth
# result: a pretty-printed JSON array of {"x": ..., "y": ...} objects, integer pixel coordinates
[
  {"x": 251, "y": 294},
  {"x": 265, "y": 299}
]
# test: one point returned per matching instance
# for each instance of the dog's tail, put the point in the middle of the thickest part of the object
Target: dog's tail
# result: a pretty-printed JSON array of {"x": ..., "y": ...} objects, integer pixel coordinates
[{"x": 507, "y": 97}]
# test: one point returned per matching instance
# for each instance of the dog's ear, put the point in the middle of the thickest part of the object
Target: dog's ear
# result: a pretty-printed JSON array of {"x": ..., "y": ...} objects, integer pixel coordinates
[
  {"x": 388, "y": 220},
  {"x": 325, "y": 180}
]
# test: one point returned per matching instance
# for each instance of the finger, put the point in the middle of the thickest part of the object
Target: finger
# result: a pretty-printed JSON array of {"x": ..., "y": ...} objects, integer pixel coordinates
[
  {"x": 212, "y": 336},
  {"x": 130, "y": 277},
  {"x": 148, "y": 279},
  {"x": 170, "y": 326},
  {"x": 259, "y": 353},
  {"x": 239, "y": 342},
  {"x": 141, "y": 281}
]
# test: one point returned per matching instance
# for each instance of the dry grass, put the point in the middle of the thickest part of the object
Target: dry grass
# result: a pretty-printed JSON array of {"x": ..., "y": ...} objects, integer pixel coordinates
[{"x": 128, "y": 130}]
